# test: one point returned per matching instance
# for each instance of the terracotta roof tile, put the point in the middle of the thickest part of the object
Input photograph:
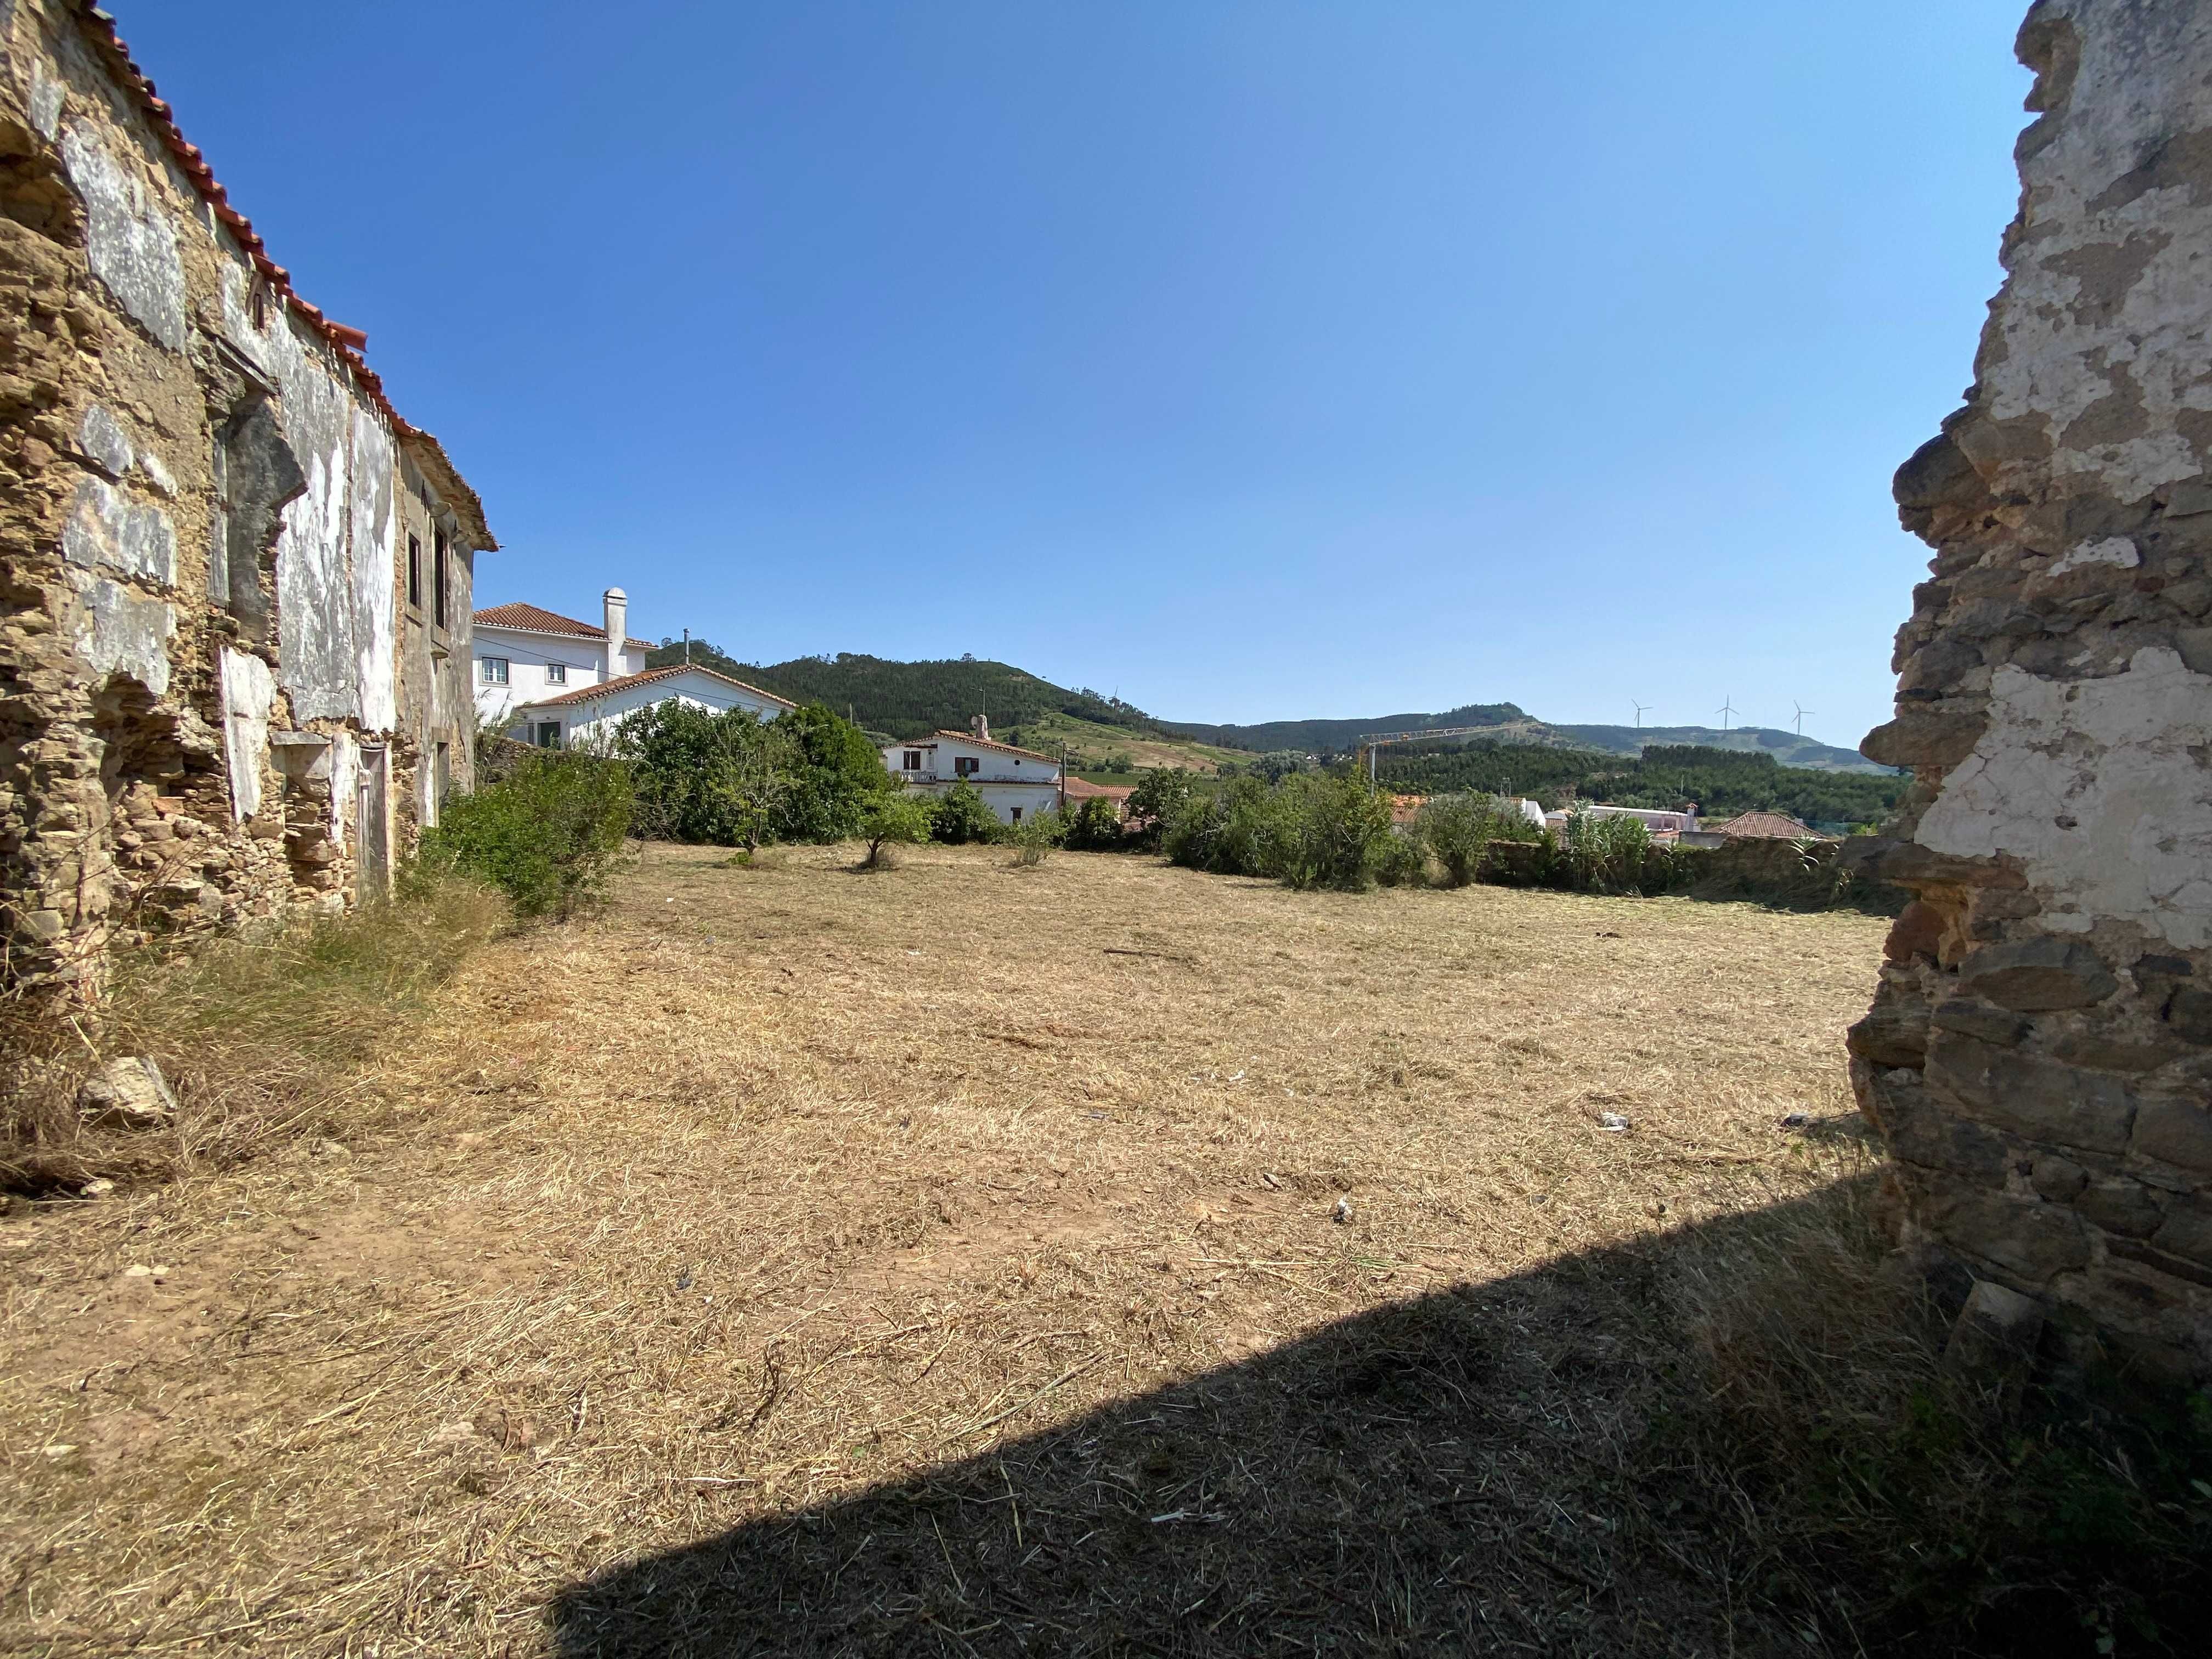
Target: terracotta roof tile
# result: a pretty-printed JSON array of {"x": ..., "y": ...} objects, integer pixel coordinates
[
  {"x": 1768, "y": 826},
  {"x": 584, "y": 694},
  {"x": 537, "y": 619}
]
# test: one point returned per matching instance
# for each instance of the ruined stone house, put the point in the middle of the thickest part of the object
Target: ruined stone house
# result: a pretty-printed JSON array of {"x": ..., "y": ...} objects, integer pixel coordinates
[
  {"x": 234, "y": 583},
  {"x": 2039, "y": 1057}
]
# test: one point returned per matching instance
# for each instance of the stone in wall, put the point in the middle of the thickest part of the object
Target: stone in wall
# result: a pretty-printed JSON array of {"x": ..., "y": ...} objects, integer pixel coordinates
[{"x": 2039, "y": 1056}]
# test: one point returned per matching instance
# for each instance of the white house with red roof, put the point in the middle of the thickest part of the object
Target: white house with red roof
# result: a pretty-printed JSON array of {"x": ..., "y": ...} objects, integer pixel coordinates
[
  {"x": 525, "y": 653},
  {"x": 1014, "y": 783},
  {"x": 549, "y": 680}
]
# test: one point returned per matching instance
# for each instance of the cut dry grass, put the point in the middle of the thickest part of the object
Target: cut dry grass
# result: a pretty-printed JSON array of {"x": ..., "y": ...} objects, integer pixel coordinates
[
  {"x": 261, "y": 1037},
  {"x": 948, "y": 1261}
]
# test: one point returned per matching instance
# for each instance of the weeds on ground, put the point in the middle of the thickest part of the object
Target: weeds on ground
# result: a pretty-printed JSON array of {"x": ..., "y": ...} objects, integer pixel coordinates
[
  {"x": 258, "y": 1036},
  {"x": 1900, "y": 1509}
]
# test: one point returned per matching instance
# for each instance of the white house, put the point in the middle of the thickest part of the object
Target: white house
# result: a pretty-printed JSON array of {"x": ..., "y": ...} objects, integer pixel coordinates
[
  {"x": 1015, "y": 783},
  {"x": 526, "y": 653},
  {"x": 587, "y": 716}
]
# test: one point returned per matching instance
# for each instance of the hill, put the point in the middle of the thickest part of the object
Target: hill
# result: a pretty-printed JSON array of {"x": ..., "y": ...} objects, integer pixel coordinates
[
  {"x": 913, "y": 699},
  {"x": 1513, "y": 726},
  {"x": 1722, "y": 781}
]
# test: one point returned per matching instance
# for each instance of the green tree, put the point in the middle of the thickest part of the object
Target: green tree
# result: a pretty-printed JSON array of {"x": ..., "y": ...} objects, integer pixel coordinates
[
  {"x": 549, "y": 834},
  {"x": 960, "y": 817},
  {"x": 891, "y": 818}
]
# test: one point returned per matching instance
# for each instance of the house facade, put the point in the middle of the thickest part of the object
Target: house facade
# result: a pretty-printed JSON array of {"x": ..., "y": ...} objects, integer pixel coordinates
[
  {"x": 525, "y": 653},
  {"x": 234, "y": 582},
  {"x": 1015, "y": 783},
  {"x": 587, "y": 718}
]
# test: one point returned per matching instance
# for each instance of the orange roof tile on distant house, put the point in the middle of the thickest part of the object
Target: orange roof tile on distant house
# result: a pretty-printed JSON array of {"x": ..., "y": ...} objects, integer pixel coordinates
[
  {"x": 537, "y": 619},
  {"x": 1403, "y": 809},
  {"x": 584, "y": 694},
  {"x": 1079, "y": 789},
  {"x": 1766, "y": 826}
]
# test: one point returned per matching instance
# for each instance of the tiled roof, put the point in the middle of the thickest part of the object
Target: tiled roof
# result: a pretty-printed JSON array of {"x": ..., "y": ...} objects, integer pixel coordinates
[
  {"x": 537, "y": 619},
  {"x": 1077, "y": 789},
  {"x": 1768, "y": 826},
  {"x": 622, "y": 682},
  {"x": 987, "y": 743},
  {"x": 346, "y": 341}
]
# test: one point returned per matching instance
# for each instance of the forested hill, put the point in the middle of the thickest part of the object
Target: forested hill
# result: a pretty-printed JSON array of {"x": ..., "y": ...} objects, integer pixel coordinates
[
  {"x": 1334, "y": 736},
  {"x": 912, "y": 699},
  {"x": 1722, "y": 781}
]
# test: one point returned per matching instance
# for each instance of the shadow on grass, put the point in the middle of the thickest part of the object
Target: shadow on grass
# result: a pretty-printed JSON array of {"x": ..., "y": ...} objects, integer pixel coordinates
[{"x": 1516, "y": 1465}]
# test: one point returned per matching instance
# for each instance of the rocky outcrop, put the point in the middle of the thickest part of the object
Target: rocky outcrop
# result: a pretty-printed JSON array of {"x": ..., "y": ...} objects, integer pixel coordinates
[{"x": 2039, "y": 1057}]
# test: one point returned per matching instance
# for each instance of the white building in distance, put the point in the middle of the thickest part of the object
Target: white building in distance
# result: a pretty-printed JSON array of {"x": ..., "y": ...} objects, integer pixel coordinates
[
  {"x": 525, "y": 653},
  {"x": 586, "y": 717},
  {"x": 1014, "y": 783}
]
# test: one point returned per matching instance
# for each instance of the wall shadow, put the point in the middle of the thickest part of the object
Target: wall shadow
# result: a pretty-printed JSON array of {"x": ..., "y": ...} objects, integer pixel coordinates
[{"x": 1444, "y": 1475}]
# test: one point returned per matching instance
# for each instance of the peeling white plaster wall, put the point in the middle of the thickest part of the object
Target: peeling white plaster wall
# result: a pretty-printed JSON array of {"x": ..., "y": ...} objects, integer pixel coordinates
[
  {"x": 118, "y": 632},
  {"x": 375, "y": 621},
  {"x": 131, "y": 243},
  {"x": 345, "y": 784},
  {"x": 2095, "y": 786},
  {"x": 108, "y": 529},
  {"x": 249, "y": 692}
]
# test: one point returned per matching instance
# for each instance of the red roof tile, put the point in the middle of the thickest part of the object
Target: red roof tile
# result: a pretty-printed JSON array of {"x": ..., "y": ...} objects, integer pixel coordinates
[
  {"x": 1765, "y": 826},
  {"x": 584, "y": 694},
  {"x": 536, "y": 619}
]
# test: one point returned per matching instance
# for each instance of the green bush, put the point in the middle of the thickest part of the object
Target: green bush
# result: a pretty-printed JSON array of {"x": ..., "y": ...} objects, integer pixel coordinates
[
  {"x": 1402, "y": 859},
  {"x": 549, "y": 835},
  {"x": 1164, "y": 795},
  {"x": 1606, "y": 854},
  {"x": 1033, "y": 837},
  {"x": 1459, "y": 830},
  {"x": 1312, "y": 830},
  {"x": 892, "y": 817},
  {"x": 1093, "y": 827},
  {"x": 960, "y": 817},
  {"x": 726, "y": 780}
]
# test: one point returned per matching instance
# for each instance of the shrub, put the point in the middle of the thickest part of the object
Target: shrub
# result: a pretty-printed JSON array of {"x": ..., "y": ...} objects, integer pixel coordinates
[
  {"x": 1033, "y": 837},
  {"x": 1164, "y": 795},
  {"x": 891, "y": 818},
  {"x": 1402, "y": 859},
  {"x": 1093, "y": 827},
  {"x": 719, "y": 779},
  {"x": 1326, "y": 831},
  {"x": 837, "y": 777},
  {"x": 549, "y": 835},
  {"x": 1607, "y": 853},
  {"x": 1459, "y": 830},
  {"x": 960, "y": 817}
]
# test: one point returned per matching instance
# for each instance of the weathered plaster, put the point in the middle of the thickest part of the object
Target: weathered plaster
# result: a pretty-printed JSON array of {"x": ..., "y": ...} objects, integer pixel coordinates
[
  {"x": 2094, "y": 787},
  {"x": 119, "y": 632},
  {"x": 132, "y": 242},
  {"x": 109, "y": 529},
  {"x": 249, "y": 693},
  {"x": 374, "y": 561}
]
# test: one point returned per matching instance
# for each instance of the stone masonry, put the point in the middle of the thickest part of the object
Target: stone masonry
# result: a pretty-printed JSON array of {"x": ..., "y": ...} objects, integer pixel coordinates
[
  {"x": 2039, "y": 1056},
  {"x": 234, "y": 585}
]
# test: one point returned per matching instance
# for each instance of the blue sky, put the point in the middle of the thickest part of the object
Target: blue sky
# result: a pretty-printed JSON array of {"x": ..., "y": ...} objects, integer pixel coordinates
[{"x": 1255, "y": 361}]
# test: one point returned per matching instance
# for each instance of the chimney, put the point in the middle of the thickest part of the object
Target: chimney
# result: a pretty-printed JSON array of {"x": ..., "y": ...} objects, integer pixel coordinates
[
  {"x": 617, "y": 631},
  {"x": 981, "y": 725}
]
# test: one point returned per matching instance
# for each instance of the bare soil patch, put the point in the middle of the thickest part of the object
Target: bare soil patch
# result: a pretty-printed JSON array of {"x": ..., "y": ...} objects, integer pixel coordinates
[{"x": 781, "y": 1192}]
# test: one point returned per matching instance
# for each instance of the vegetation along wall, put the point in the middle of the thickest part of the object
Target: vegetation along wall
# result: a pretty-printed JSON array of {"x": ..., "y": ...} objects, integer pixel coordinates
[{"x": 2039, "y": 1056}]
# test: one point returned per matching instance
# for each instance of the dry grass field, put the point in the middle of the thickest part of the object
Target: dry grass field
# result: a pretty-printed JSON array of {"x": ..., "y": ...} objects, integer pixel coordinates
[{"x": 1102, "y": 1258}]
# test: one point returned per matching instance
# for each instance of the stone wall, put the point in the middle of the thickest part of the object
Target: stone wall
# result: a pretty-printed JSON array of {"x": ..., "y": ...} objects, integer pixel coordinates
[
  {"x": 2039, "y": 1057},
  {"x": 220, "y": 696}
]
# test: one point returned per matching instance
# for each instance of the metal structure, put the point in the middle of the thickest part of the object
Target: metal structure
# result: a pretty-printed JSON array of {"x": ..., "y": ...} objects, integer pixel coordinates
[
  {"x": 1374, "y": 740},
  {"x": 1801, "y": 712},
  {"x": 1724, "y": 711}
]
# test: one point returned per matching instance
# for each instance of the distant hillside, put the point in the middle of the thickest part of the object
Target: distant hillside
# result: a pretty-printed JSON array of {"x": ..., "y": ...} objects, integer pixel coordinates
[
  {"x": 1333, "y": 736},
  {"x": 1722, "y": 781},
  {"x": 1513, "y": 726},
  {"x": 912, "y": 699}
]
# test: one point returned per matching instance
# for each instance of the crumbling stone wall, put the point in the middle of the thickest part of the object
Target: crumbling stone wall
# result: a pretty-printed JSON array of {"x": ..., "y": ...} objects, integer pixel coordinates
[
  {"x": 2039, "y": 1057},
  {"x": 216, "y": 686}
]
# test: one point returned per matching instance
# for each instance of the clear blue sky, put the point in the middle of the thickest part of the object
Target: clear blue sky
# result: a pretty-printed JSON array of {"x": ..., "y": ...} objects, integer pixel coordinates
[{"x": 1256, "y": 361}]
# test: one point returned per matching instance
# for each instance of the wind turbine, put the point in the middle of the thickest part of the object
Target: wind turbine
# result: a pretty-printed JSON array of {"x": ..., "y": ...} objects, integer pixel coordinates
[
  {"x": 1640, "y": 707},
  {"x": 1725, "y": 710},
  {"x": 1801, "y": 712}
]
